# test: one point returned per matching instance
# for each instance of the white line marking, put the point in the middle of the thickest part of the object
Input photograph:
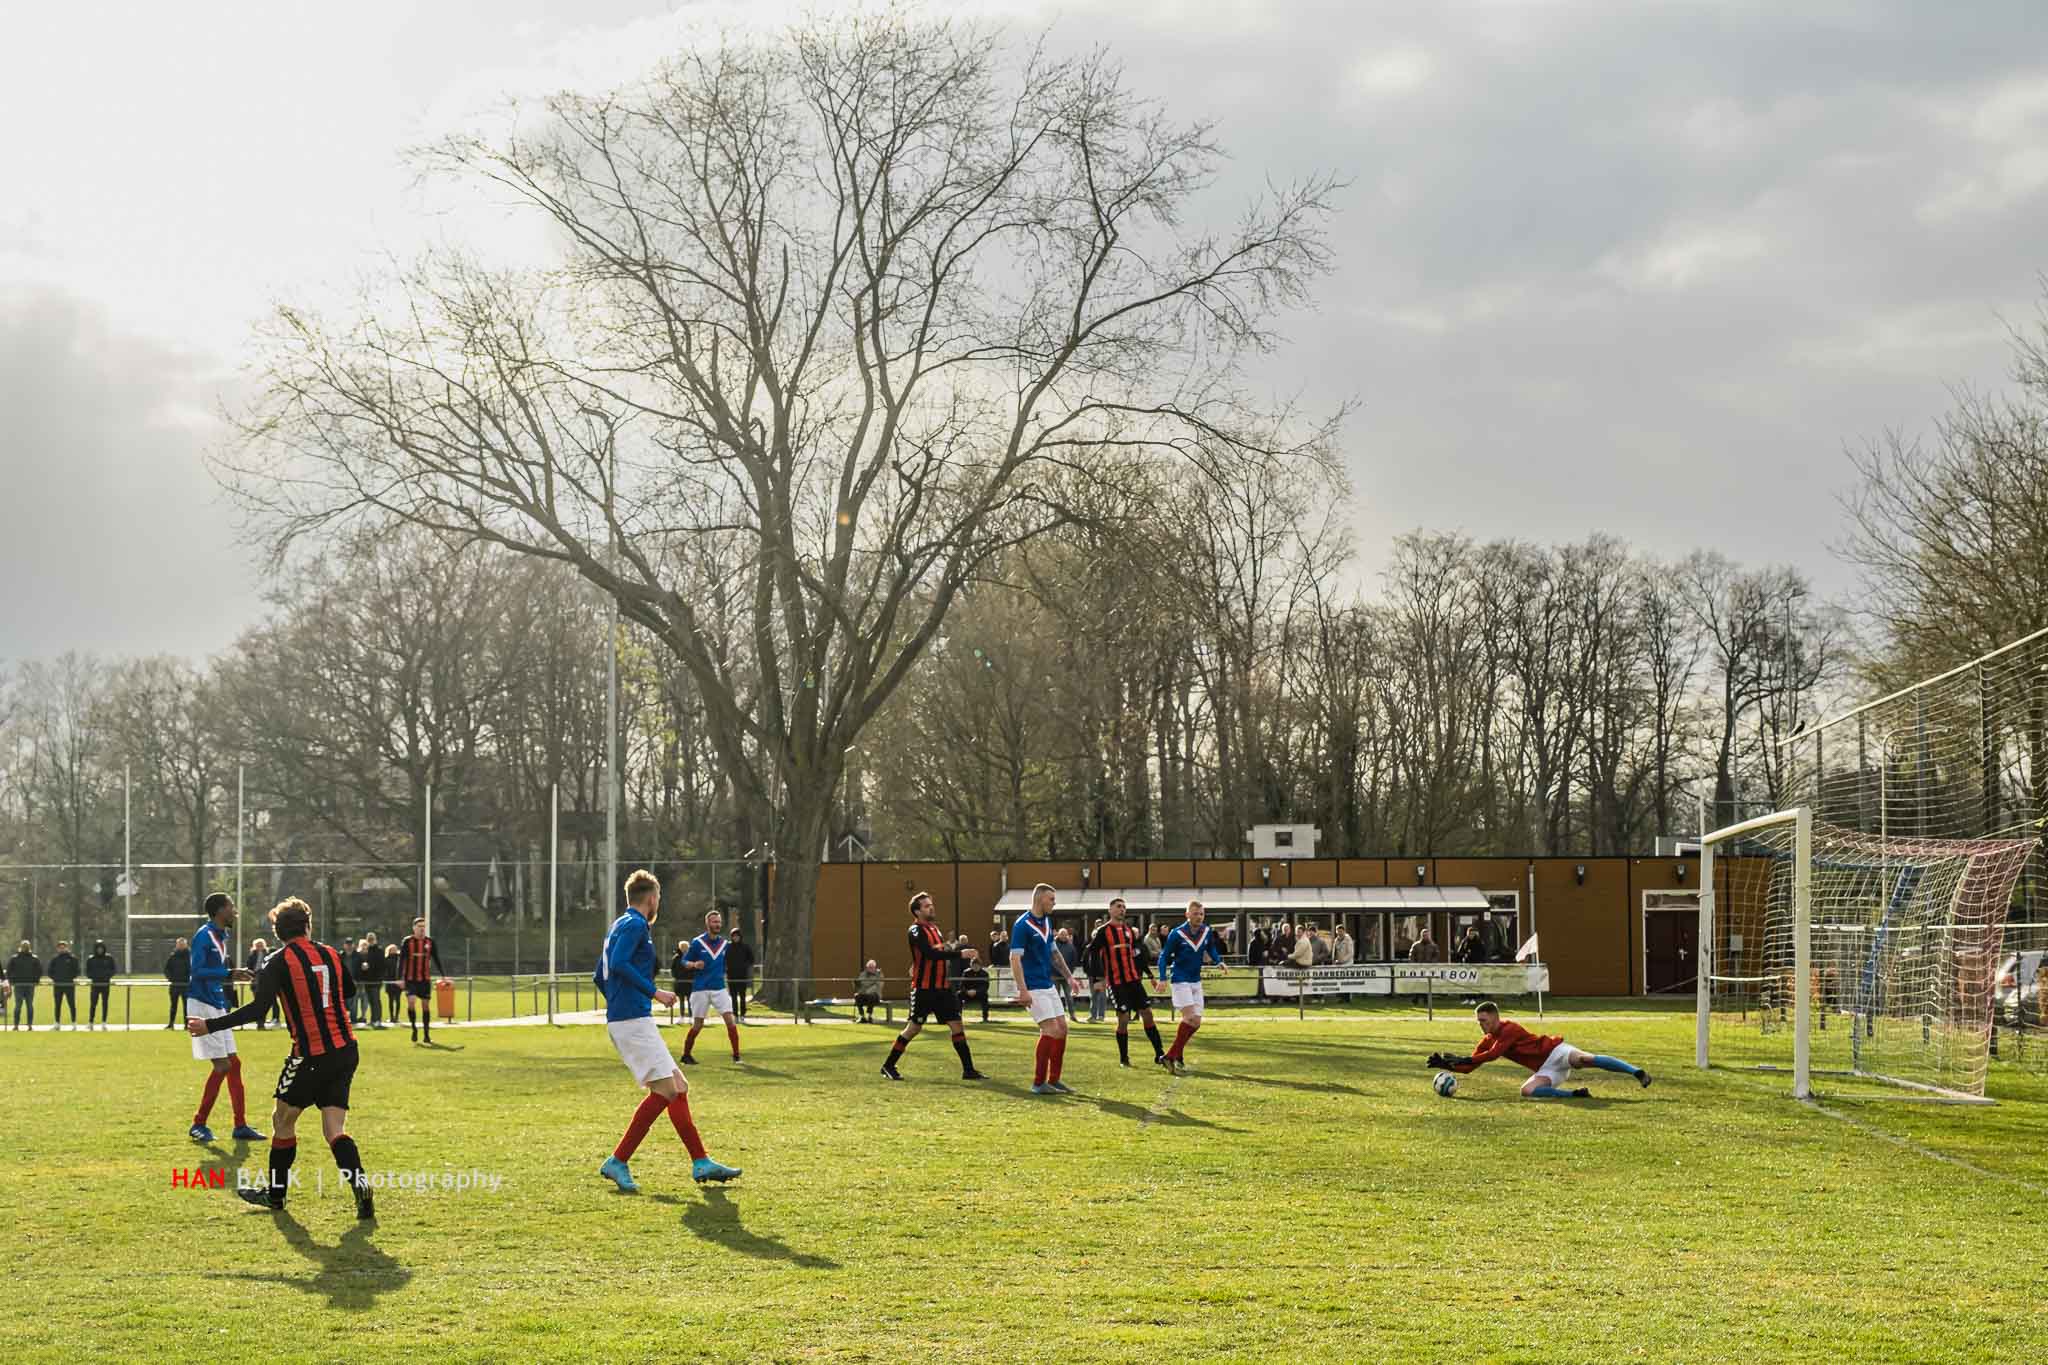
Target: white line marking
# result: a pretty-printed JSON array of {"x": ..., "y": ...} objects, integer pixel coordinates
[{"x": 1927, "y": 1152}]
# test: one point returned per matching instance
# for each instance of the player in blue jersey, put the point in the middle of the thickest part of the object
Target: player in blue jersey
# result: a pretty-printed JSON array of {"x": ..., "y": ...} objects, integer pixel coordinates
[
  {"x": 707, "y": 989},
  {"x": 1187, "y": 947},
  {"x": 626, "y": 976},
  {"x": 205, "y": 998},
  {"x": 1033, "y": 962}
]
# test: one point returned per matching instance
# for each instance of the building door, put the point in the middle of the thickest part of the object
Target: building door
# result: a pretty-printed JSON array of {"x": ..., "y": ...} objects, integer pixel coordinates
[{"x": 1671, "y": 941}]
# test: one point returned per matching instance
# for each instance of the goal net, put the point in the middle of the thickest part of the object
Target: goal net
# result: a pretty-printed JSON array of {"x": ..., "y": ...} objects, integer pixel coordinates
[
  {"x": 1827, "y": 951},
  {"x": 1962, "y": 756}
]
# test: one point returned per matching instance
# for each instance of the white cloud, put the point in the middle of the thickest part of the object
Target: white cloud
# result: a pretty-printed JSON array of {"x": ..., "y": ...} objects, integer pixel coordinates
[{"x": 1393, "y": 71}]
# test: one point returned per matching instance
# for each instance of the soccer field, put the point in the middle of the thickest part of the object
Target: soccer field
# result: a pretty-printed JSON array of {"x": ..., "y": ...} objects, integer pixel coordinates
[{"x": 1301, "y": 1194}]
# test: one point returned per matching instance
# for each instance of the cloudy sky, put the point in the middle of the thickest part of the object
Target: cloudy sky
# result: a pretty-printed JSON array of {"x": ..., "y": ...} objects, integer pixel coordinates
[{"x": 1641, "y": 268}]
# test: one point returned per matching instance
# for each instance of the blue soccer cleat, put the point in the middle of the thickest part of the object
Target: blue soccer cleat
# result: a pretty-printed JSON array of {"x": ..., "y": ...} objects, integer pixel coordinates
[
  {"x": 704, "y": 1168},
  {"x": 244, "y": 1133},
  {"x": 1043, "y": 1089},
  {"x": 1061, "y": 1086},
  {"x": 615, "y": 1171},
  {"x": 200, "y": 1133}
]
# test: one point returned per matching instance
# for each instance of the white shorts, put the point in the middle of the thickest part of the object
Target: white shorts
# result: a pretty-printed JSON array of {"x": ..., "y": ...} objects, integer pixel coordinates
[
  {"x": 1046, "y": 1004},
  {"x": 1187, "y": 993},
  {"x": 1557, "y": 1067},
  {"x": 641, "y": 1049},
  {"x": 703, "y": 1002},
  {"x": 214, "y": 1045}
]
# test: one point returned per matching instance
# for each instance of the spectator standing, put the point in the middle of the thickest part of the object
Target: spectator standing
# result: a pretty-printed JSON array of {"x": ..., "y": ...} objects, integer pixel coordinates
[
  {"x": 867, "y": 992},
  {"x": 24, "y": 970},
  {"x": 63, "y": 985},
  {"x": 1343, "y": 951},
  {"x": 1424, "y": 949},
  {"x": 373, "y": 979},
  {"x": 1098, "y": 986},
  {"x": 178, "y": 971},
  {"x": 1153, "y": 943},
  {"x": 739, "y": 969},
  {"x": 394, "y": 970},
  {"x": 680, "y": 973},
  {"x": 1304, "y": 954},
  {"x": 1319, "y": 949},
  {"x": 998, "y": 947},
  {"x": 1471, "y": 948},
  {"x": 1063, "y": 944},
  {"x": 974, "y": 984},
  {"x": 99, "y": 971}
]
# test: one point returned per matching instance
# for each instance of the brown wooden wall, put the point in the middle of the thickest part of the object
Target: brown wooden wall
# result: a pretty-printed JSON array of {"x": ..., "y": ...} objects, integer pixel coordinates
[{"x": 1592, "y": 930}]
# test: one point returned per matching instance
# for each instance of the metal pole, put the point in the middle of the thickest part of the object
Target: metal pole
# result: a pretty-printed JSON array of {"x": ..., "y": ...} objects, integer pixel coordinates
[
  {"x": 554, "y": 877},
  {"x": 241, "y": 823},
  {"x": 127, "y": 878},
  {"x": 611, "y": 767},
  {"x": 427, "y": 870}
]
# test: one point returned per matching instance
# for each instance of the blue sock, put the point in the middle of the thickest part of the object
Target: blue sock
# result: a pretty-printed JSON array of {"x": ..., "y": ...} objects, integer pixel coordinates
[
  {"x": 1550, "y": 1092},
  {"x": 1606, "y": 1063}
]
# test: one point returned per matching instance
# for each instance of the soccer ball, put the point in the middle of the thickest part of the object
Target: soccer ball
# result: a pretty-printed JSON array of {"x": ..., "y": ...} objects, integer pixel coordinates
[{"x": 1445, "y": 1084}]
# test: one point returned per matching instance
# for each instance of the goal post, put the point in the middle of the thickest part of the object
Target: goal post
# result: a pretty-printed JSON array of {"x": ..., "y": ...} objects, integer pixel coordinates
[
  {"x": 1717, "y": 943},
  {"x": 1826, "y": 951}
]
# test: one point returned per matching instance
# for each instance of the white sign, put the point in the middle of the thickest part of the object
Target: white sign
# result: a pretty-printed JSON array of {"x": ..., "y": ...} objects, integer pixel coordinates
[
  {"x": 1400, "y": 978},
  {"x": 127, "y": 886}
]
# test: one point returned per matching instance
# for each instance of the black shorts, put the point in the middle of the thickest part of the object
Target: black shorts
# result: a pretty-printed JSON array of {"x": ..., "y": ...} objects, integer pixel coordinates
[
  {"x": 1130, "y": 997},
  {"x": 941, "y": 1002},
  {"x": 320, "y": 1082},
  {"x": 420, "y": 990}
]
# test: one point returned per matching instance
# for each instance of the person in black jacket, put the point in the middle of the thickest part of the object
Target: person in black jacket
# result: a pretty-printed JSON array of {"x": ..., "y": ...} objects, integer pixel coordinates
[
  {"x": 64, "y": 984},
  {"x": 178, "y": 971},
  {"x": 369, "y": 970},
  {"x": 393, "y": 968},
  {"x": 739, "y": 970},
  {"x": 24, "y": 970},
  {"x": 99, "y": 970},
  {"x": 680, "y": 973}
]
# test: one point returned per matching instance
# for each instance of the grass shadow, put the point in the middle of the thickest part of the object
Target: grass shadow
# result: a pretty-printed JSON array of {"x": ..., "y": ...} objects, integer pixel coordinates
[
  {"x": 716, "y": 1219},
  {"x": 351, "y": 1274},
  {"x": 1315, "y": 1087},
  {"x": 442, "y": 1047}
]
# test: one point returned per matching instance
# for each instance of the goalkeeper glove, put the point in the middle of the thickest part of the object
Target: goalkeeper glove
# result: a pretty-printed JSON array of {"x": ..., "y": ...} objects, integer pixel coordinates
[{"x": 1438, "y": 1060}]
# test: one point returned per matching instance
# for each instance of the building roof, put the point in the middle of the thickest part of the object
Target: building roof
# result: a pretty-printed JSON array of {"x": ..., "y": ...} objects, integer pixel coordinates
[{"x": 1266, "y": 900}]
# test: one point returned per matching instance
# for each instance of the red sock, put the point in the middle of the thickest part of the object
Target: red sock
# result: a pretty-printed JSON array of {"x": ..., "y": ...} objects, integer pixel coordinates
[
  {"x": 643, "y": 1119},
  {"x": 679, "y": 1115},
  {"x": 1044, "y": 1061},
  {"x": 1180, "y": 1039},
  {"x": 1059, "y": 1055},
  {"x": 732, "y": 1031},
  {"x": 236, "y": 1097},
  {"x": 208, "y": 1096},
  {"x": 691, "y": 1041}
]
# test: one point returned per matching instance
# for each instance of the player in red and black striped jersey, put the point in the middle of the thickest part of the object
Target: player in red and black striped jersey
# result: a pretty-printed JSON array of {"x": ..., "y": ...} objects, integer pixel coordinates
[
  {"x": 1113, "y": 957},
  {"x": 310, "y": 983},
  {"x": 416, "y": 954},
  {"x": 931, "y": 989}
]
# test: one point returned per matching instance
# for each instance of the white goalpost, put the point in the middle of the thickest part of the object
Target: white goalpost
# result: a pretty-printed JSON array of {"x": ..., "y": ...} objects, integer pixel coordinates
[{"x": 1827, "y": 951}]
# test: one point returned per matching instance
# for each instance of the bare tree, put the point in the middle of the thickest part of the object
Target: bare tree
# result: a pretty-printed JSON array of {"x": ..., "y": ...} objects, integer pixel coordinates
[
  {"x": 850, "y": 306},
  {"x": 164, "y": 720}
]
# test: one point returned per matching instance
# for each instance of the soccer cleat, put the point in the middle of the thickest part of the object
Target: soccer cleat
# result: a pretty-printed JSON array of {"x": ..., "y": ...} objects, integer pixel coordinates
[
  {"x": 261, "y": 1199},
  {"x": 687, "y": 1060},
  {"x": 1582, "y": 1094},
  {"x": 200, "y": 1133},
  {"x": 1161, "y": 1059},
  {"x": 1125, "y": 1062},
  {"x": 890, "y": 1072},
  {"x": 615, "y": 1171},
  {"x": 1061, "y": 1086},
  {"x": 244, "y": 1133},
  {"x": 1642, "y": 1078},
  {"x": 366, "y": 1206},
  {"x": 1043, "y": 1088},
  {"x": 973, "y": 1076},
  {"x": 704, "y": 1168}
]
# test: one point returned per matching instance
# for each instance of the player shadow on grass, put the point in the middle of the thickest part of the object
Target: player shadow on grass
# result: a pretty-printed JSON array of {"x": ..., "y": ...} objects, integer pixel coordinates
[
  {"x": 1321, "y": 1087},
  {"x": 440, "y": 1047},
  {"x": 1142, "y": 1115},
  {"x": 352, "y": 1273},
  {"x": 716, "y": 1219}
]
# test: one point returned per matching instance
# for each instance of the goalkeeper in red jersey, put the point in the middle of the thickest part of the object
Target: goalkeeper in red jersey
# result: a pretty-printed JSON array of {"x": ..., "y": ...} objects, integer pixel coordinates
[{"x": 1551, "y": 1058}]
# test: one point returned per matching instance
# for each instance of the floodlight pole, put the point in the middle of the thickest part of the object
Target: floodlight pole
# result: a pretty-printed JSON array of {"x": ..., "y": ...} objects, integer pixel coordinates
[
  {"x": 241, "y": 824},
  {"x": 127, "y": 878},
  {"x": 554, "y": 881},
  {"x": 427, "y": 868}
]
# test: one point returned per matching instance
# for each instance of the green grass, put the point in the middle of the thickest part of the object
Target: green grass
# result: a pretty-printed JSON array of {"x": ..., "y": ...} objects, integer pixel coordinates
[{"x": 1302, "y": 1194}]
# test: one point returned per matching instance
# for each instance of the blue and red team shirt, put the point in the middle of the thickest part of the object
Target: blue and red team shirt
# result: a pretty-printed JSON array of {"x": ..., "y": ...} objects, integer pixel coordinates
[
  {"x": 1182, "y": 955},
  {"x": 626, "y": 971},
  {"x": 709, "y": 955},
  {"x": 210, "y": 966},
  {"x": 1031, "y": 937}
]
